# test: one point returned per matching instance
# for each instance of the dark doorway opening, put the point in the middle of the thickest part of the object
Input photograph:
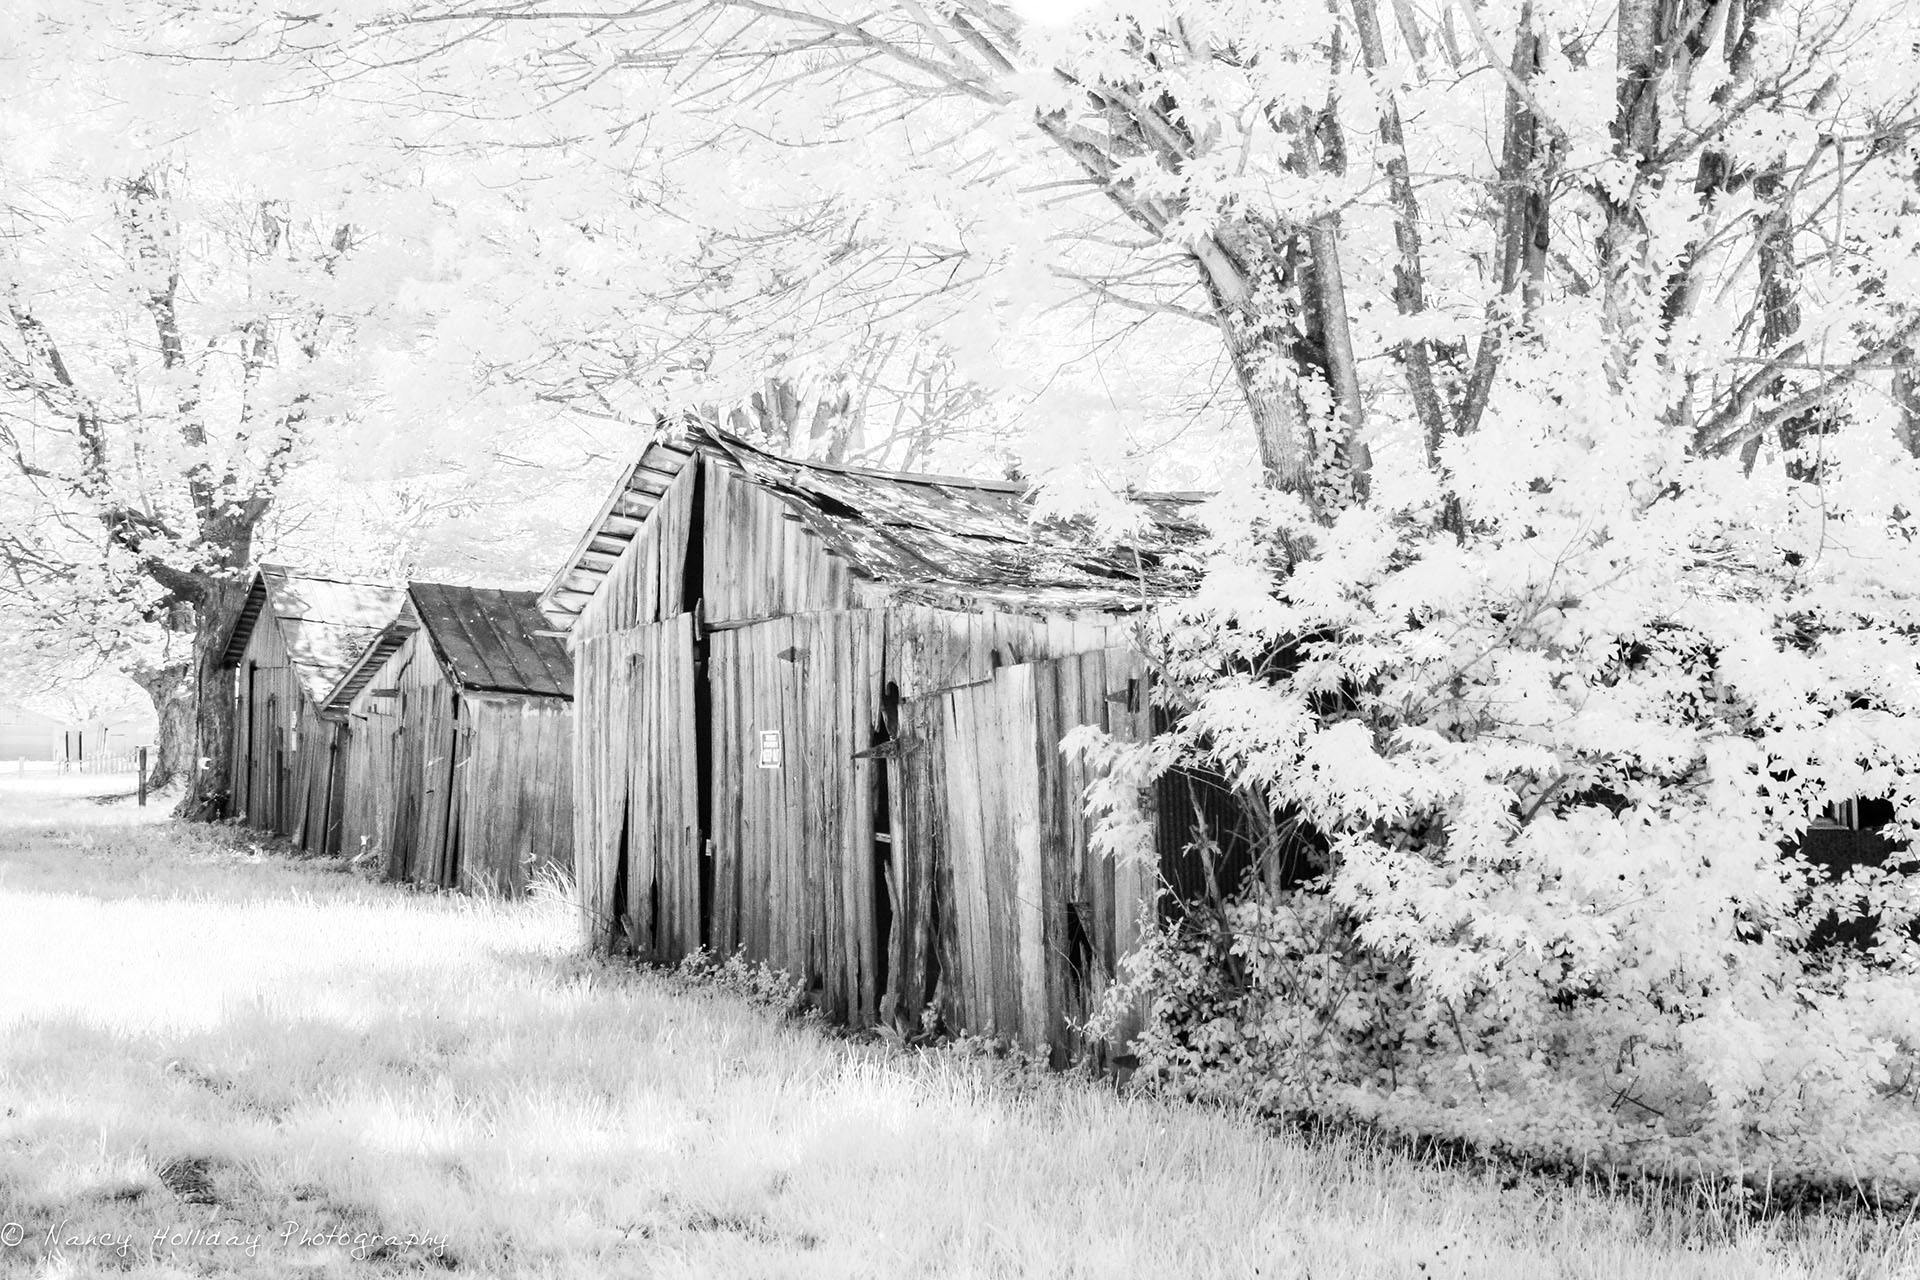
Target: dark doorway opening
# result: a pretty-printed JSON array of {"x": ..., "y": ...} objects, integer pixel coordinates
[
  {"x": 886, "y": 873},
  {"x": 338, "y": 754},
  {"x": 619, "y": 930},
  {"x": 1846, "y": 836},
  {"x": 693, "y": 570},
  {"x": 277, "y": 768},
  {"x": 451, "y": 833}
]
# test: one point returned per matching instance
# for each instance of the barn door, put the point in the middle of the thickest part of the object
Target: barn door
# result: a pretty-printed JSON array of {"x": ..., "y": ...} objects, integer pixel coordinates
[
  {"x": 409, "y": 752},
  {"x": 795, "y": 703},
  {"x": 438, "y": 710},
  {"x": 636, "y": 771},
  {"x": 1006, "y": 920},
  {"x": 339, "y": 757},
  {"x": 243, "y": 755},
  {"x": 459, "y": 752},
  {"x": 276, "y": 770},
  {"x": 665, "y": 842}
]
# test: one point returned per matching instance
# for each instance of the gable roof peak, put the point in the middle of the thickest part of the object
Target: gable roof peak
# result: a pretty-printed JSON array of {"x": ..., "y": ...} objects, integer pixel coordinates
[{"x": 324, "y": 622}]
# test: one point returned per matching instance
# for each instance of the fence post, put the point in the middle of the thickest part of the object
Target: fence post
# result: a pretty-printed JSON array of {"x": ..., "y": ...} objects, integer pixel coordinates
[{"x": 143, "y": 777}]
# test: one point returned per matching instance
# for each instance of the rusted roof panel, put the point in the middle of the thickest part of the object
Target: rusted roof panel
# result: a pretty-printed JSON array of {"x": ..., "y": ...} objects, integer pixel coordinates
[
  {"x": 324, "y": 622},
  {"x": 490, "y": 639}
]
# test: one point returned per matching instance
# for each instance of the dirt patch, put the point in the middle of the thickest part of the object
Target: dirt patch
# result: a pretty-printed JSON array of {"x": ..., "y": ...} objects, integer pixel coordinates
[{"x": 190, "y": 1178}]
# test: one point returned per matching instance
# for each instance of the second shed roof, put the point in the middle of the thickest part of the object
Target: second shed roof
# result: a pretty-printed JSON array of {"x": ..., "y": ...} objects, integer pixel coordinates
[
  {"x": 491, "y": 641},
  {"x": 324, "y": 622}
]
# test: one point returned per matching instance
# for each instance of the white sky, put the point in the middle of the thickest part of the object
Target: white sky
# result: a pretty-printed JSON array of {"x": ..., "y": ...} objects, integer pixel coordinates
[{"x": 1050, "y": 12}]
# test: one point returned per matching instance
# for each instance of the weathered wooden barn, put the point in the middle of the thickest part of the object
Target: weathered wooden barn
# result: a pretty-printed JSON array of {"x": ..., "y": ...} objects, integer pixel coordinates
[
  {"x": 460, "y": 759},
  {"x": 819, "y": 714},
  {"x": 295, "y": 636}
]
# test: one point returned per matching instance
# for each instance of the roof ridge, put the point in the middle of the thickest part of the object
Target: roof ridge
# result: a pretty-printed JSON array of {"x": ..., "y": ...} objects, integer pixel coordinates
[
  {"x": 727, "y": 440},
  {"x": 263, "y": 567},
  {"x": 465, "y": 586}
]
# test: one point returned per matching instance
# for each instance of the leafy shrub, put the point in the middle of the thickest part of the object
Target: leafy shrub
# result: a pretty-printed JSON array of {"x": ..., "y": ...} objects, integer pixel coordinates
[
  {"x": 753, "y": 981},
  {"x": 1558, "y": 766}
]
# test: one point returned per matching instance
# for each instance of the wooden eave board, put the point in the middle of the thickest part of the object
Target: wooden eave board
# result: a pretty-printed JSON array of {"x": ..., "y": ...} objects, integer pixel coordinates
[
  {"x": 371, "y": 659},
  {"x": 618, "y": 522},
  {"x": 243, "y": 625}
]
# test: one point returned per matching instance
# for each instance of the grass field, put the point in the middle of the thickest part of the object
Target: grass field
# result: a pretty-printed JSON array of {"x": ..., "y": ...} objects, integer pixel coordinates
[{"x": 217, "y": 1061}]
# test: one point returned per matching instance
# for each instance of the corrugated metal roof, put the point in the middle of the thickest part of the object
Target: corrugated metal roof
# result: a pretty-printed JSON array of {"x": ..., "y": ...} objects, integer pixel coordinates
[
  {"x": 324, "y": 622},
  {"x": 936, "y": 538},
  {"x": 489, "y": 639}
]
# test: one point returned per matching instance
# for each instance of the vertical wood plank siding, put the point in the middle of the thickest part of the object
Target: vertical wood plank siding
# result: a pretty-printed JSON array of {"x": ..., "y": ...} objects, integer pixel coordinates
[
  {"x": 920, "y": 848},
  {"x": 997, "y": 913},
  {"x": 646, "y": 585},
  {"x": 452, "y": 790},
  {"x": 514, "y": 805},
  {"x": 757, "y": 560},
  {"x": 434, "y": 715},
  {"x": 599, "y": 781},
  {"x": 416, "y": 679},
  {"x": 1034, "y": 927},
  {"x": 366, "y": 822},
  {"x": 283, "y": 749},
  {"x": 663, "y": 840},
  {"x": 794, "y": 846},
  {"x": 638, "y": 809}
]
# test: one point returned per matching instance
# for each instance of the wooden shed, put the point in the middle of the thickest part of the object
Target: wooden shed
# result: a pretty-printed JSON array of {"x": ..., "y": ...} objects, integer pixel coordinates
[
  {"x": 295, "y": 636},
  {"x": 460, "y": 764},
  {"x": 819, "y": 714}
]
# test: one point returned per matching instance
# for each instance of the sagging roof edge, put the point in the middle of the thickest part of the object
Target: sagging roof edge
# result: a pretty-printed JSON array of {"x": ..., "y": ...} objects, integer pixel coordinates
[
  {"x": 708, "y": 440},
  {"x": 384, "y": 645},
  {"x": 492, "y": 691}
]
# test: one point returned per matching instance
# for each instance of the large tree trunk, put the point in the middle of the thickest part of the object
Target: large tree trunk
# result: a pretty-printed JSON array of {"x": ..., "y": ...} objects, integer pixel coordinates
[
  {"x": 1251, "y": 277},
  {"x": 1522, "y": 190},
  {"x": 1636, "y": 135},
  {"x": 1906, "y": 394},
  {"x": 171, "y": 689},
  {"x": 210, "y": 779}
]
